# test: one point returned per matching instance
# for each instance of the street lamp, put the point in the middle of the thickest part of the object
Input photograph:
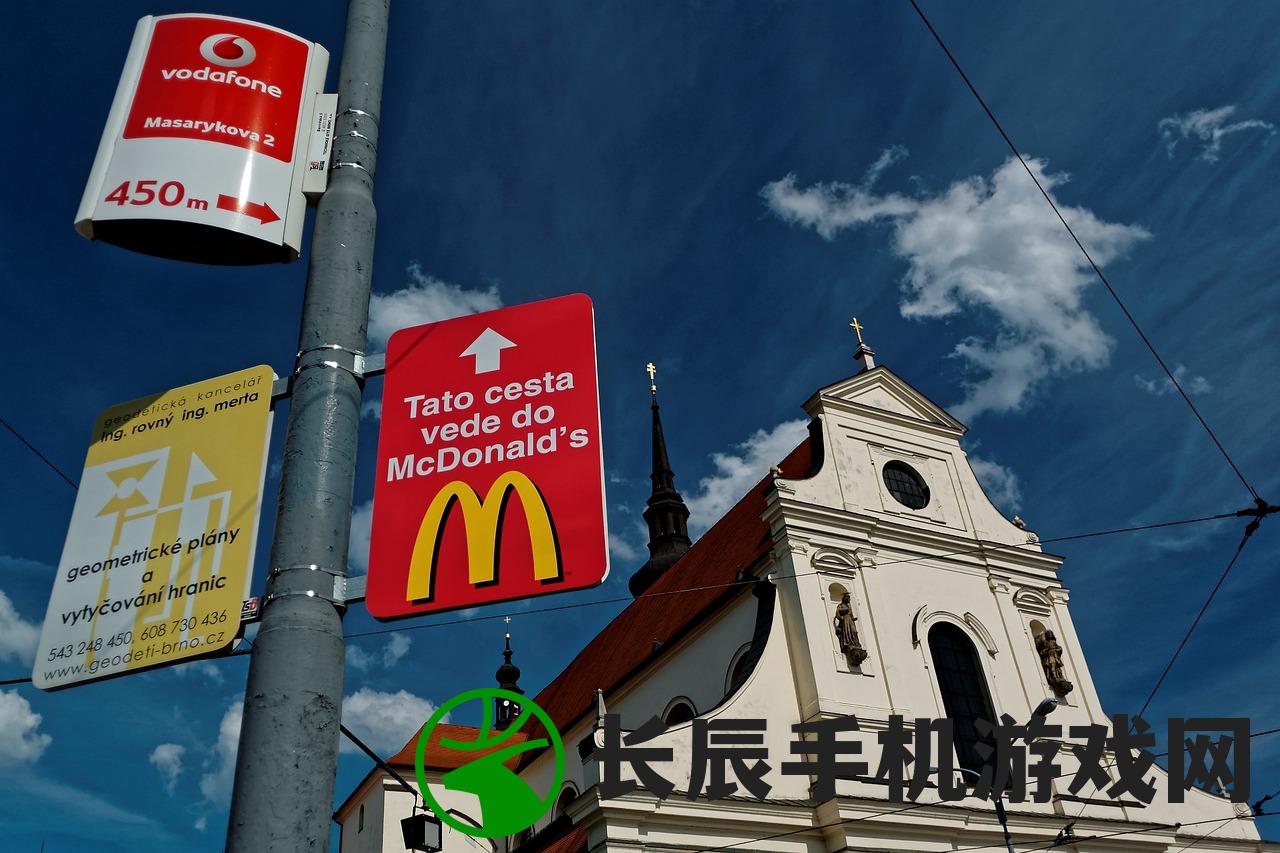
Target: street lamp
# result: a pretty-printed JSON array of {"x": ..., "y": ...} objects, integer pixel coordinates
[
  {"x": 422, "y": 832},
  {"x": 1044, "y": 709}
]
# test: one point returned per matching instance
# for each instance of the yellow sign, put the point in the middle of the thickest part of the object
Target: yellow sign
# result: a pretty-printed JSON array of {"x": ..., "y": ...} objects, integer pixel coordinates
[
  {"x": 482, "y": 520},
  {"x": 159, "y": 554}
]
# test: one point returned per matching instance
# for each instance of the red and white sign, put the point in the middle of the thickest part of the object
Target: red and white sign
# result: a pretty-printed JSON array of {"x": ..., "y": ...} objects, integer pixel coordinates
[
  {"x": 490, "y": 480},
  {"x": 208, "y": 128}
]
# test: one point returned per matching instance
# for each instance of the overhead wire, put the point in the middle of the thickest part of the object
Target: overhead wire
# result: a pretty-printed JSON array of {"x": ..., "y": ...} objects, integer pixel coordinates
[
  {"x": 1097, "y": 270},
  {"x": 1262, "y": 507},
  {"x": 45, "y": 459},
  {"x": 980, "y": 549},
  {"x": 993, "y": 846}
]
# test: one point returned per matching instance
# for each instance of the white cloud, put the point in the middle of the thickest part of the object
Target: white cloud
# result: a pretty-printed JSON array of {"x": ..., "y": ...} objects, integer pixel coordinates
[
  {"x": 167, "y": 759},
  {"x": 208, "y": 669},
  {"x": 396, "y": 648},
  {"x": 220, "y": 766},
  {"x": 1207, "y": 128},
  {"x": 740, "y": 469},
  {"x": 992, "y": 248},
  {"x": 18, "y": 637},
  {"x": 361, "y": 530},
  {"x": 621, "y": 549},
  {"x": 999, "y": 482},
  {"x": 90, "y": 807},
  {"x": 21, "y": 741},
  {"x": 425, "y": 299},
  {"x": 385, "y": 721},
  {"x": 202, "y": 823},
  {"x": 1160, "y": 385},
  {"x": 358, "y": 658},
  {"x": 371, "y": 410}
]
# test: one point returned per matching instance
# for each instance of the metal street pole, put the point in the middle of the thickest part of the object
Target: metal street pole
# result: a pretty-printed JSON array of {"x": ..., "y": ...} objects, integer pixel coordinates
[{"x": 283, "y": 797}]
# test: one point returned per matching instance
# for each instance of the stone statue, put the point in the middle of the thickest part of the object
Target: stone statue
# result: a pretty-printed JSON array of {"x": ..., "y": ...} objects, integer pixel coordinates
[
  {"x": 1051, "y": 660},
  {"x": 846, "y": 625}
]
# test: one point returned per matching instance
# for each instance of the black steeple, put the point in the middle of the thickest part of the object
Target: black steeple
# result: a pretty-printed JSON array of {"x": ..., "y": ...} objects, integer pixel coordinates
[
  {"x": 504, "y": 710},
  {"x": 666, "y": 514}
]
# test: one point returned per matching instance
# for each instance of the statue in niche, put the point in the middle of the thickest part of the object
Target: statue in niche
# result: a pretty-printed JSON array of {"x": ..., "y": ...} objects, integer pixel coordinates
[
  {"x": 1051, "y": 660},
  {"x": 846, "y": 625}
]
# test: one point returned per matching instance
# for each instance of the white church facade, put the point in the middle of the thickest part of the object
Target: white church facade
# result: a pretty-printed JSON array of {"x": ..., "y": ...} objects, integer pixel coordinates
[{"x": 867, "y": 574}]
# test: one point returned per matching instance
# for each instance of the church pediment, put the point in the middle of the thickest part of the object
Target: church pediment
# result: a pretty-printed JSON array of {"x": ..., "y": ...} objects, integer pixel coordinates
[{"x": 881, "y": 390}]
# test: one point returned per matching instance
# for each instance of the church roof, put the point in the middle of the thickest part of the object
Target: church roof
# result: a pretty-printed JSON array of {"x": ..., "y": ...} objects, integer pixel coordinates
[
  {"x": 685, "y": 594},
  {"x": 437, "y": 757},
  {"x": 573, "y": 841}
]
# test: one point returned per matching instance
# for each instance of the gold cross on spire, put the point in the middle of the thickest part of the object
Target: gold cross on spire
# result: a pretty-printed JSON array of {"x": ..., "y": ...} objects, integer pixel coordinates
[
  {"x": 857, "y": 329},
  {"x": 653, "y": 371}
]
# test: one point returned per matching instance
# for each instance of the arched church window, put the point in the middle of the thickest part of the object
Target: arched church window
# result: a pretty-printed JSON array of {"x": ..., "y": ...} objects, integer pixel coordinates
[
  {"x": 679, "y": 711},
  {"x": 907, "y": 487},
  {"x": 567, "y": 796},
  {"x": 963, "y": 689},
  {"x": 739, "y": 669}
]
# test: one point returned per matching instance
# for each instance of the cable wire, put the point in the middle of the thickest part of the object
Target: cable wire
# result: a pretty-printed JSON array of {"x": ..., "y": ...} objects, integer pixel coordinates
[
  {"x": 995, "y": 846},
  {"x": 1248, "y": 532},
  {"x": 981, "y": 549},
  {"x": 39, "y": 455},
  {"x": 1132, "y": 321},
  {"x": 1176, "y": 827},
  {"x": 1187, "y": 636},
  {"x": 1206, "y": 835}
]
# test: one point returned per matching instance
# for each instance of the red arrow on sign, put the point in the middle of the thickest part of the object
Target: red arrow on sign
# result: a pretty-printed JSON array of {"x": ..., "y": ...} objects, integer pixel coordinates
[{"x": 261, "y": 212}]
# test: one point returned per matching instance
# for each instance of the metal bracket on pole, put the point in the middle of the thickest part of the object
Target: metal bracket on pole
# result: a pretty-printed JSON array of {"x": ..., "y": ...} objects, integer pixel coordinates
[
  {"x": 345, "y": 589},
  {"x": 349, "y": 589},
  {"x": 363, "y": 366}
]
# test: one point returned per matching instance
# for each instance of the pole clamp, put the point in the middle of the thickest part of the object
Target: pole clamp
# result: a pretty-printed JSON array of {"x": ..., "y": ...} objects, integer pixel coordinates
[
  {"x": 356, "y": 368},
  {"x": 343, "y": 588}
]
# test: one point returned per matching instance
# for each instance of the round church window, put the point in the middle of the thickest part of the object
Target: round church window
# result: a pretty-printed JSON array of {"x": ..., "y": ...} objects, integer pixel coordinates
[{"x": 906, "y": 486}]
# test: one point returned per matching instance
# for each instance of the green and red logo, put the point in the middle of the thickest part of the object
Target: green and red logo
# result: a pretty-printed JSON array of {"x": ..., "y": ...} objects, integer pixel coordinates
[{"x": 508, "y": 804}]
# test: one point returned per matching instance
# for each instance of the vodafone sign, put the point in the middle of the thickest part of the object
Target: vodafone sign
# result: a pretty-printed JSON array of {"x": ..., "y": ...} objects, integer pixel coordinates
[{"x": 200, "y": 157}]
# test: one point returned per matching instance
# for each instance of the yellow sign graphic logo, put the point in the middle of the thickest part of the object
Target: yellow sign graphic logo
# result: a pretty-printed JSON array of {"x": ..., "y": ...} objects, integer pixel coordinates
[{"x": 482, "y": 520}]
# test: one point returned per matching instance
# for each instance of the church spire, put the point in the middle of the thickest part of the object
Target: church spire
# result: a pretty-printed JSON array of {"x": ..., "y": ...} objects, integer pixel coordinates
[
  {"x": 666, "y": 514},
  {"x": 504, "y": 710},
  {"x": 864, "y": 354}
]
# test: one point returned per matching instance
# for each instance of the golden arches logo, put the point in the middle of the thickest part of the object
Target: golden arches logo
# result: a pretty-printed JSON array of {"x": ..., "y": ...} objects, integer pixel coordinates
[{"x": 482, "y": 521}]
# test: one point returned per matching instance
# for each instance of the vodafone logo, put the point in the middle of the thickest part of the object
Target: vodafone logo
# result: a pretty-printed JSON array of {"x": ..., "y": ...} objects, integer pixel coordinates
[{"x": 227, "y": 50}]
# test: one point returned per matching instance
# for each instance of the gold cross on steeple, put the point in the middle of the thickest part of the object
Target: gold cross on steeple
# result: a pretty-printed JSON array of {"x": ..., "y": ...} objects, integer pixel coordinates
[
  {"x": 653, "y": 371},
  {"x": 857, "y": 329}
]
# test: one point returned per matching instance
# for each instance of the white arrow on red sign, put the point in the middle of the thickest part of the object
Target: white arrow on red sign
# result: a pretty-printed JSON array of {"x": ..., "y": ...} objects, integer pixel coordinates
[{"x": 487, "y": 349}]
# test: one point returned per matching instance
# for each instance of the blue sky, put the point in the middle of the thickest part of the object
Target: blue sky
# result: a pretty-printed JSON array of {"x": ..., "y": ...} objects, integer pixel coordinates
[{"x": 730, "y": 183}]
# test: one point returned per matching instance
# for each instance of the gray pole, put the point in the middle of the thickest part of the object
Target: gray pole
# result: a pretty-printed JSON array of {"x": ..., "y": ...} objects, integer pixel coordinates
[{"x": 288, "y": 756}]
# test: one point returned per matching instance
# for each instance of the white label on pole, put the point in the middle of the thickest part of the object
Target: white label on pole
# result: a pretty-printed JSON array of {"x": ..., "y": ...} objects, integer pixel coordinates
[{"x": 315, "y": 177}]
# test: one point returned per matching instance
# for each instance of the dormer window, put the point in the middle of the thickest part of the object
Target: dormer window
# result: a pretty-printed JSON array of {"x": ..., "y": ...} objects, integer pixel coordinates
[
  {"x": 679, "y": 711},
  {"x": 907, "y": 487}
]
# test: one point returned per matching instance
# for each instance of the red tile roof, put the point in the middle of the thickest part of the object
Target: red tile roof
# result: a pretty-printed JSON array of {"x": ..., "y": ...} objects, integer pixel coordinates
[
  {"x": 437, "y": 757},
  {"x": 573, "y": 841},
  {"x": 691, "y": 589}
]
